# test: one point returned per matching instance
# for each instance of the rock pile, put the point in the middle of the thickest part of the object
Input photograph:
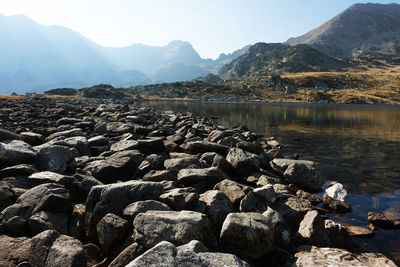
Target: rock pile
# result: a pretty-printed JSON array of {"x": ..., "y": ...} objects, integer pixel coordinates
[{"x": 90, "y": 183}]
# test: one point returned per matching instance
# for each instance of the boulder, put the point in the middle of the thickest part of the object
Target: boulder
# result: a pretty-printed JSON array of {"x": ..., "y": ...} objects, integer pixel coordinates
[
  {"x": 166, "y": 254},
  {"x": 127, "y": 255},
  {"x": 118, "y": 166},
  {"x": 33, "y": 139},
  {"x": 252, "y": 203},
  {"x": 137, "y": 207},
  {"x": 45, "y": 197},
  {"x": 315, "y": 200},
  {"x": 216, "y": 259},
  {"x": 17, "y": 170},
  {"x": 247, "y": 235},
  {"x": 179, "y": 228},
  {"x": 99, "y": 140},
  {"x": 382, "y": 221},
  {"x": 233, "y": 190},
  {"x": 266, "y": 193},
  {"x": 336, "y": 205},
  {"x": 203, "y": 147},
  {"x": 113, "y": 198},
  {"x": 208, "y": 176},
  {"x": 244, "y": 162},
  {"x": 314, "y": 256},
  {"x": 339, "y": 237},
  {"x": 16, "y": 152},
  {"x": 312, "y": 230},
  {"x": 194, "y": 246},
  {"x": 282, "y": 233},
  {"x": 358, "y": 231},
  {"x": 292, "y": 209},
  {"x": 218, "y": 206},
  {"x": 66, "y": 133},
  {"x": 337, "y": 191},
  {"x": 45, "y": 220},
  {"x": 111, "y": 230},
  {"x": 79, "y": 143},
  {"x": 180, "y": 198},
  {"x": 14, "y": 251},
  {"x": 118, "y": 128},
  {"x": 55, "y": 158},
  {"x": 177, "y": 164},
  {"x": 124, "y": 145},
  {"x": 303, "y": 176},
  {"x": 158, "y": 176},
  {"x": 45, "y": 177}
]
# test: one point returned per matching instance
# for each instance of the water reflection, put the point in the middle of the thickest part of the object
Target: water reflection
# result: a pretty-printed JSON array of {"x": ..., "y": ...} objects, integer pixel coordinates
[{"x": 357, "y": 145}]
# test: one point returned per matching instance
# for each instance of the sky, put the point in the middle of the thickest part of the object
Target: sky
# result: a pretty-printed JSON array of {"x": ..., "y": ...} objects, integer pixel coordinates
[{"x": 211, "y": 26}]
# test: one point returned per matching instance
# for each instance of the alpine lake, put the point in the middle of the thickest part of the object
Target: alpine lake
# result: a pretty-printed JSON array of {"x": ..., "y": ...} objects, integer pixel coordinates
[{"x": 356, "y": 145}]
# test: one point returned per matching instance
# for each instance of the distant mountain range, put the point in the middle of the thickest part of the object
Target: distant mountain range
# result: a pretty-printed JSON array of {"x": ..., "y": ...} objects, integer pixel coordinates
[{"x": 34, "y": 58}]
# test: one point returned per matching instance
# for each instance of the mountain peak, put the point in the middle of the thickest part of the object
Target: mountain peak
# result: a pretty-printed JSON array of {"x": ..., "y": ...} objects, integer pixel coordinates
[{"x": 360, "y": 27}]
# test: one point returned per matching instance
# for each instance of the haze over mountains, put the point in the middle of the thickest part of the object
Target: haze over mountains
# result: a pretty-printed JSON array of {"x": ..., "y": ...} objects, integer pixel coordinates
[{"x": 35, "y": 58}]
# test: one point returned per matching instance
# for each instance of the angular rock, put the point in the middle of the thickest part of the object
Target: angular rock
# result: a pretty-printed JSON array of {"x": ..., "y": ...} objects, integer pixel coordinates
[
  {"x": 233, "y": 190},
  {"x": 282, "y": 233},
  {"x": 252, "y": 203},
  {"x": 158, "y": 176},
  {"x": 55, "y": 158},
  {"x": 45, "y": 177},
  {"x": 17, "y": 170},
  {"x": 135, "y": 208},
  {"x": 244, "y": 162},
  {"x": 16, "y": 152},
  {"x": 312, "y": 230},
  {"x": 194, "y": 246},
  {"x": 382, "y": 221},
  {"x": 266, "y": 193},
  {"x": 166, "y": 254},
  {"x": 358, "y": 231},
  {"x": 67, "y": 133},
  {"x": 336, "y": 205},
  {"x": 127, "y": 255},
  {"x": 119, "y": 166},
  {"x": 98, "y": 141},
  {"x": 180, "y": 198},
  {"x": 124, "y": 145},
  {"x": 113, "y": 198},
  {"x": 47, "y": 197},
  {"x": 179, "y": 228},
  {"x": 338, "y": 235},
  {"x": 177, "y": 164},
  {"x": 337, "y": 191},
  {"x": 292, "y": 209},
  {"x": 209, "y": 176},
  {"x": 314, "y": 256},
  {"x": 204, "y": 146},
  {"x": 303, "y": 176},
  {"x": 111, "y": 230},
  {"x": 45, "y": 220},
  {"x": 218, "y": 206},
  {"x": 247, "y": 235},
  {"x": 33, "y": 139},
  {"x": 315, "y": 200}
]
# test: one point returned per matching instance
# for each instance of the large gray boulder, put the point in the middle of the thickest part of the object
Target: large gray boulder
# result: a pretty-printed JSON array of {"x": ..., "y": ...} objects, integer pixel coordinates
[
  {"x": 55, "y": 158},
  {"x": 45, "y": 197},
  {"x": 315, "y": 256},
  {"x": 203, "y": 147},
  {"x": 216, "y": 259},
  {"x": 233, "y": 190},
  {"x": 176, "y": 227},
  {"x": 119, "y": 166},
  {"x": 111, "y": 230},
  {"x": 177, "y": 164},
  {"x": 180, "y": 198},
  {"x": 247, "y": 235},
  {"x": 46, "y": 220},
  {"x": 135, "y": 208},
  {"x": 218, "y": 206},
  {"x": 208, "y": 176},
  {"x": 244, "y": 162},
  {"x": 312, "y": 230},
  {"x": 301, "y": 173},
  {"x": 113, "y": 198},
  {"x": 16, "y": 152}
]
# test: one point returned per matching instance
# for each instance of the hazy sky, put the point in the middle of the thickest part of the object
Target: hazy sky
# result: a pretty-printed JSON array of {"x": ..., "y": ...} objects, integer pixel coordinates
[{"x": 211, "y": 26}]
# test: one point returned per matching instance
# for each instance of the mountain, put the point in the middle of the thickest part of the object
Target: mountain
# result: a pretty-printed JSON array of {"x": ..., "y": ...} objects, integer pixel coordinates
[
  {"x": 275, "y": 58},
  {"x": 367, "y": 27},
  {"x": 177, "y": 61},
  {"x": 34, "y": 58}
]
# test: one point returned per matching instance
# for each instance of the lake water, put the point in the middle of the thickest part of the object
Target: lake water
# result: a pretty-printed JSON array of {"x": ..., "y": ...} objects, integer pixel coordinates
[{"x": 357, "y": 145}]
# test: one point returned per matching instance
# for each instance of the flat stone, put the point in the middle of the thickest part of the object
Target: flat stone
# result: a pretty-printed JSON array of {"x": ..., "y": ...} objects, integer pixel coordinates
[
  {"x": 135, "y": 208},
  {"x": 16, "y": 152},
  {"x": 358, "y": 231}
]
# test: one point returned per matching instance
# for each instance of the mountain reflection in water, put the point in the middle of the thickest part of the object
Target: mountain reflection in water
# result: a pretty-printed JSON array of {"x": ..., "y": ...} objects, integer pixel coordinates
[{"x": 357, "y": 145}]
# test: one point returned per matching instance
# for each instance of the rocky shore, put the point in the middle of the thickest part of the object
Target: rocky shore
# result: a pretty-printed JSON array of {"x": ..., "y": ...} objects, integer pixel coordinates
[{"x": 103, "y": 183}]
